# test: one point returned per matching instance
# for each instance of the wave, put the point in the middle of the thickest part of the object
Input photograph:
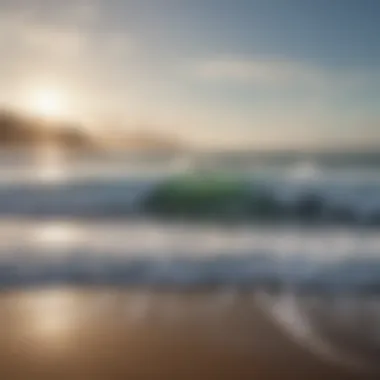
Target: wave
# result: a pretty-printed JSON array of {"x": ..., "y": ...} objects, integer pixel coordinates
[
  {"x": 301, "y": 276},
  {"x": 330, "y": 329},
  {"x": 300, "y": 198}
]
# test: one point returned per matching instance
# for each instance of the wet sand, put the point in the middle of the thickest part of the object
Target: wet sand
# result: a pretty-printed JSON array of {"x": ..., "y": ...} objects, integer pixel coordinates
[{"x": 100, "y": 333}]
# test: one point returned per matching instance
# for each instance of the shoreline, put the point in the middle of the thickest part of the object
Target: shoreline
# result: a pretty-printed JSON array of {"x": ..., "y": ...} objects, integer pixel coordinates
[{"x": 106, "y": 332}]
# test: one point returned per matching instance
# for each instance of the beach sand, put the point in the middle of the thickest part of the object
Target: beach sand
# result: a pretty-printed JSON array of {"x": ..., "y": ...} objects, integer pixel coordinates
[{"x": 105, "y": 333}]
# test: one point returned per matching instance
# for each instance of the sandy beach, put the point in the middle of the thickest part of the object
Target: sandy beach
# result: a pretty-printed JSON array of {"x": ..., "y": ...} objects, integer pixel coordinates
[{"x": 102, "y": 333}]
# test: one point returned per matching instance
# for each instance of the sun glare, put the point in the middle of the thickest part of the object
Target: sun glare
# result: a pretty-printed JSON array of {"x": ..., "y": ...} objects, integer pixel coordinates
[{"x": 48, "y": 103}]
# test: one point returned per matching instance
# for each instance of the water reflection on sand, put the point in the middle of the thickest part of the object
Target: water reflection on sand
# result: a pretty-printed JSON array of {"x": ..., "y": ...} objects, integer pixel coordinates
[
  {"x": 103, "y": 333},
  {"x": 343, "y": 329}
]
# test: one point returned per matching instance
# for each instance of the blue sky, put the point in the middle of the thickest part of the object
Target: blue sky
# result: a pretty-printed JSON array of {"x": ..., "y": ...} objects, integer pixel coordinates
[{"x": 265, "y": 73}]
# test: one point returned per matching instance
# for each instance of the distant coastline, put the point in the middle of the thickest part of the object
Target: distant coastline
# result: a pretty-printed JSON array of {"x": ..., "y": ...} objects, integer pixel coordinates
[{"x": 25, "y": 132}]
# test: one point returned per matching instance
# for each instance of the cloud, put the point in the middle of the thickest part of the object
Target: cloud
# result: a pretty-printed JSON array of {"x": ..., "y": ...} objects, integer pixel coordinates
[
  {"x": 272, "y": 101},
  {"x": 256, "y": 71},
  {"x": 281, "y": 73}
]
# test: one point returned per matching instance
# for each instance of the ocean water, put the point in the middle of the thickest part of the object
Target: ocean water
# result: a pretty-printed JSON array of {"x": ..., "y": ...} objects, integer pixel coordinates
[
  {"x": 89, "y": 219},
  {"x": 298, "y": 232}
]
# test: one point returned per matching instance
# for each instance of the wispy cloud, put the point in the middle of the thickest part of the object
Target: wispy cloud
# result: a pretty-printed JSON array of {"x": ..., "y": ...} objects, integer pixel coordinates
[
  {"x": 291, "y": 102},
  {"x": 277, "y": 73},
  {"x": 265, "y": 71}
]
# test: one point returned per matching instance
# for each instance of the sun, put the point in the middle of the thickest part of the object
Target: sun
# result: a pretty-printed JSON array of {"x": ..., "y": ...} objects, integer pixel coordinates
[{"x": 48, "y": 103}]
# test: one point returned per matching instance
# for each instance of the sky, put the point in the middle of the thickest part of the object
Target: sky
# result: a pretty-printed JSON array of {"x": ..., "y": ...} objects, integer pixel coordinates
[{"x": 245, "y": 73}]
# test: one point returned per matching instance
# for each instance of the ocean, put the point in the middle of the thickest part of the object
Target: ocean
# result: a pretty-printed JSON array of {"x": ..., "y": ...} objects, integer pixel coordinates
[
  {"x": 211, "y": 239},
  {"x": 308, "y": 221}
]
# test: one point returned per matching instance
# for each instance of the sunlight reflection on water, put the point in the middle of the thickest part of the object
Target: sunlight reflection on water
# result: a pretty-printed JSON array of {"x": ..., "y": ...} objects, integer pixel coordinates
[
  {"x": 56, "y": 235},
  {"x": 50, "y": 164},
  {"x": 48, "y": 319}
]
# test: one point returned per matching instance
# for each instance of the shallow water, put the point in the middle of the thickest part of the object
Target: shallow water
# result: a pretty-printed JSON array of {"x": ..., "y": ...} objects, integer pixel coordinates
[
  {"x": 102, "y": 332},
  {"x": 154, "y": 253}
]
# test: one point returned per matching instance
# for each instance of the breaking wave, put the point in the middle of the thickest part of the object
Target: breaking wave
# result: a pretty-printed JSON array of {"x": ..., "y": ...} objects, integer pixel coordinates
[
  {"x": 301, "y": 273},
  {"x": 299, "y": 196}
]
